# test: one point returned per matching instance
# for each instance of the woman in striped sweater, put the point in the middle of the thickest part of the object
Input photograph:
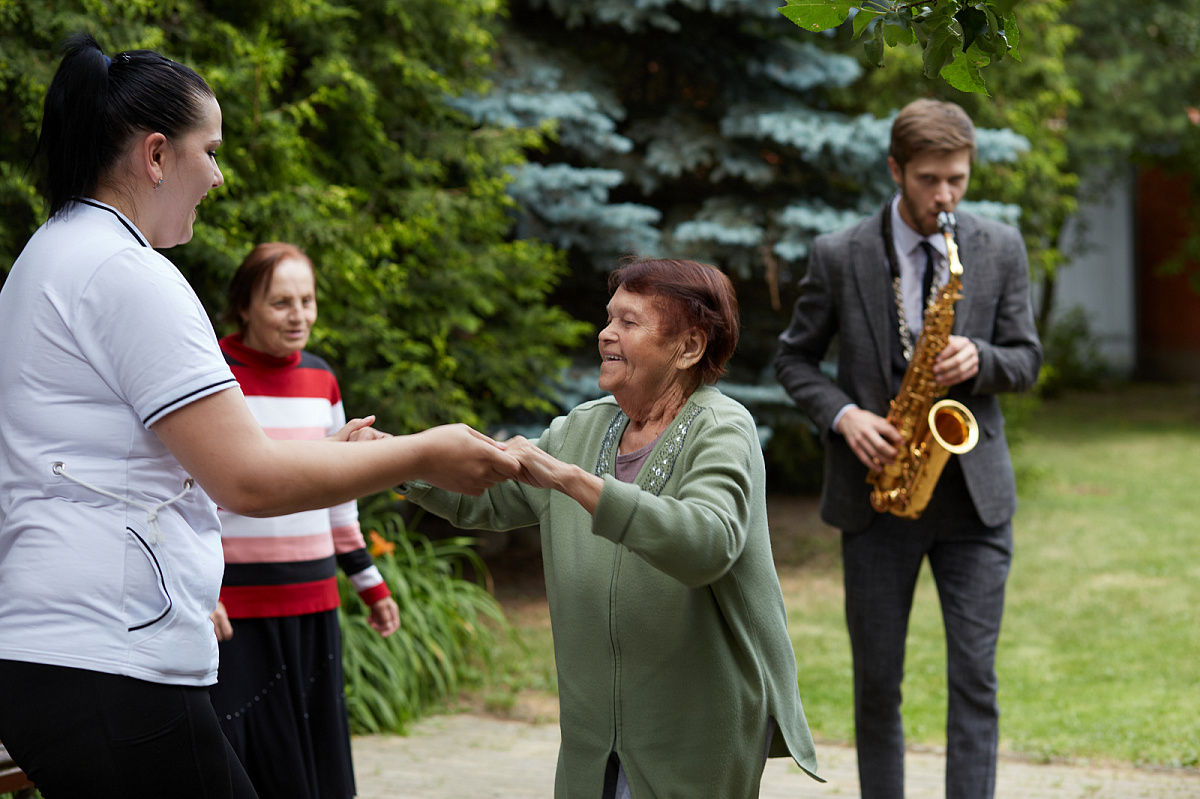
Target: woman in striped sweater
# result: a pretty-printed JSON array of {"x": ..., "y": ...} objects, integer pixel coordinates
[{"x": 279, "y": 695}]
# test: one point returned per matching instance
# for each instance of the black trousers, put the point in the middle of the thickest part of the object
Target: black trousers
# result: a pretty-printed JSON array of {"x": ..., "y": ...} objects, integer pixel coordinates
[{"x": 82, "y": 734}]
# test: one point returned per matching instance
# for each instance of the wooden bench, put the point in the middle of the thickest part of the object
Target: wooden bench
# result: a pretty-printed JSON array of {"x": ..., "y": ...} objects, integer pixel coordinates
[{"x": 12, "y": 779}]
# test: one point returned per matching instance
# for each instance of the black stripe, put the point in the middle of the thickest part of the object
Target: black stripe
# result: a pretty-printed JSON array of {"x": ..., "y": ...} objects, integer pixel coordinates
[
  {"x": 299, "y": 571},
  {"x": 355, "y": 561},
  {"x": 185, "y": 396},
  {"x": 311, "y": 361},
  {"x": 142, "y": 241},
  {"x": 161, "y": 581}
]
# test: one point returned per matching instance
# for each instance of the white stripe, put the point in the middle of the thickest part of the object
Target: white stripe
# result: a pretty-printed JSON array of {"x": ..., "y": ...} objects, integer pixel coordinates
[
  {"x": 309, "y": 522},
  {"x": 291, "y": 411},
  {"x": 367, "y": 578}
]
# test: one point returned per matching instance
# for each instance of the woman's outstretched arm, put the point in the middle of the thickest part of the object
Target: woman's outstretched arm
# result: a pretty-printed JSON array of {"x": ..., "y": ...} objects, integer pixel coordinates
[{"x": 219, "y": 443}]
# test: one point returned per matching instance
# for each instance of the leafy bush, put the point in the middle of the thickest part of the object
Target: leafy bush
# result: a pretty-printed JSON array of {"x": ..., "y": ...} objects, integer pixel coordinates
[
  {"x": 449, "y": 625},
  {"x": 339, "y": 136},
  {"x": 1072, "y": 356},
  {"x": 794, "y": 457}
]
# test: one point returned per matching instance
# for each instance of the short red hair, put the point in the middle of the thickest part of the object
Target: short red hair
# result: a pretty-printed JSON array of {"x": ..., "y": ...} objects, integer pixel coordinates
[{"x": 695, "y": 295}]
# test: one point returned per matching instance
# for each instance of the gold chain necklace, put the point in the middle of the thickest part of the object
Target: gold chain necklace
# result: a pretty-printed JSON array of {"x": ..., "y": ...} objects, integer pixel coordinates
[{"x": 906, "y": 342}]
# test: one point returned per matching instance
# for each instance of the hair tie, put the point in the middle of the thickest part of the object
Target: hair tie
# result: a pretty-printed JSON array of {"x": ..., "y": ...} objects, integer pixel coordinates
[{"x": 107, "y": 61}]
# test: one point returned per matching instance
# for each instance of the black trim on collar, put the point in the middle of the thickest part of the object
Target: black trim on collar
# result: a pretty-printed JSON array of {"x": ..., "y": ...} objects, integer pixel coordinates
[{"x": 141, "y": 239}]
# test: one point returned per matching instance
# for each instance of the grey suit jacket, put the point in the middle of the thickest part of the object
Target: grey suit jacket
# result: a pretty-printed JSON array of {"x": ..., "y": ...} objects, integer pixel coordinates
[{"x": 846, "y": 293}]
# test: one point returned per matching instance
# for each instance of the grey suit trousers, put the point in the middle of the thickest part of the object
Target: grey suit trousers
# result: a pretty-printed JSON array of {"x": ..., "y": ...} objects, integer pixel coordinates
[{"x": 970, "y": 563}]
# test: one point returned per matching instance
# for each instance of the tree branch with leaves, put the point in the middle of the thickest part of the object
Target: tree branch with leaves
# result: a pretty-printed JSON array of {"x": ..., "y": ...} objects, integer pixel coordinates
[{"x": 958, "y": 38}]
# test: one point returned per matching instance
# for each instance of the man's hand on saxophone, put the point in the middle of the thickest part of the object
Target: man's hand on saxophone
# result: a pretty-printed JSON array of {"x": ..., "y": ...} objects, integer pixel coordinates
[
  {"x": 874, "y": 440},
  {"x": 958, "y": 361}
]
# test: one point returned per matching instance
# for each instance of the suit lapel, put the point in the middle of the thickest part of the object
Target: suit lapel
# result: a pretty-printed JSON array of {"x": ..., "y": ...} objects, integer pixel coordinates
[{"x": 868, "y": 264}]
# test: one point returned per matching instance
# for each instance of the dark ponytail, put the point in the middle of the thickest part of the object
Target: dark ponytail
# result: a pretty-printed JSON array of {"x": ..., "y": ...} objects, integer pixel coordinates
[{"x": 96, "y": 105}]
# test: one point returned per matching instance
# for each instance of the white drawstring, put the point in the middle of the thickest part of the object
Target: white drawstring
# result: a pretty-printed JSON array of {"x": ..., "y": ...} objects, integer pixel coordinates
[{"x": 156, "y": 536}]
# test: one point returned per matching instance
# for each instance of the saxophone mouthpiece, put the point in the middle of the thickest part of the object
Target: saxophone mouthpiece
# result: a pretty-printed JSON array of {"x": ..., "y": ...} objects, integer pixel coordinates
[{"x": 947, "y": 222}]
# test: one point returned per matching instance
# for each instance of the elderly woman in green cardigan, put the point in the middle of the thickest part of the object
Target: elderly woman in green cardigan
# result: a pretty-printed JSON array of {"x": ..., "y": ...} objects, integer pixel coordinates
[{"x": 676, "y": 674}]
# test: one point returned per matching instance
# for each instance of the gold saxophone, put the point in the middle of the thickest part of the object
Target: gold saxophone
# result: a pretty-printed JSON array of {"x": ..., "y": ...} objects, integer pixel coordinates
[{"x": 931, "y": 430}]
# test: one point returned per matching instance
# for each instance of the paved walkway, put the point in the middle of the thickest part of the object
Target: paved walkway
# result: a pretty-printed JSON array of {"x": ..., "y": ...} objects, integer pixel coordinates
[{"x": 479, "y": 757}]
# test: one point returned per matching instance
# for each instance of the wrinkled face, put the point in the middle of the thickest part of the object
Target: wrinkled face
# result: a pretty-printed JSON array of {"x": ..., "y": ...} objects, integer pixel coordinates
[
  {"x": 638, "y": 359},
  {"x": 192, "y": 171},
  {"x": 282, "y": 312},
  {"x": 929, "y": 184}
]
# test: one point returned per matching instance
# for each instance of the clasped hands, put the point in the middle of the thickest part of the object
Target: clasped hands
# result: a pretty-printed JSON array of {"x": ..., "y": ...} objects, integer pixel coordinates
[
  {"x": 478, "y": 461},
  {"x": 538, "y": 468}
]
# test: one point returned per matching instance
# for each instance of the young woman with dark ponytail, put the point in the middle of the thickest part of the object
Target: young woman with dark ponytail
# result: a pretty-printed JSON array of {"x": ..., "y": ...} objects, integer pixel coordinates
[{"x": 121, "y": 430}]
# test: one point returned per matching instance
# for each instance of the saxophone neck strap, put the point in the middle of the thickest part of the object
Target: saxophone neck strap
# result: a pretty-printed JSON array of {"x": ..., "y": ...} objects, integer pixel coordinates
[{"x": 889, "y": 240}]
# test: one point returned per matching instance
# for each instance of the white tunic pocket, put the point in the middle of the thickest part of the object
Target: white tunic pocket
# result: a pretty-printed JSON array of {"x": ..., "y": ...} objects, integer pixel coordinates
[{"x": 146, "y": 598}]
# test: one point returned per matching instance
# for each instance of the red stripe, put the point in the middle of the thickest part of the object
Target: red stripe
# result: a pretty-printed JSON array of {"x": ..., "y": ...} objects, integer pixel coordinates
[
  {"x": 298, "y": 382},
  {"x": 297, "y": 599},
  {"x": 375, "y": 593}
]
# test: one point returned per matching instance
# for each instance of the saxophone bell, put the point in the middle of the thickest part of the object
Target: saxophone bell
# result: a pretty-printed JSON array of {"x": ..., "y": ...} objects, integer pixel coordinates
[{"x": 951, "y": 430}]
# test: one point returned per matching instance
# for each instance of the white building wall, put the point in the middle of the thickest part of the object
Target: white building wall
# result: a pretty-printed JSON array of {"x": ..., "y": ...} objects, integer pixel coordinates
[{"x": 1100, "y": 276}]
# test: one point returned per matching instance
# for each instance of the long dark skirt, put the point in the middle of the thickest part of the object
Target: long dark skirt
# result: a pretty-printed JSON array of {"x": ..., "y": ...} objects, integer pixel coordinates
[{"x": 280, "y": 698}]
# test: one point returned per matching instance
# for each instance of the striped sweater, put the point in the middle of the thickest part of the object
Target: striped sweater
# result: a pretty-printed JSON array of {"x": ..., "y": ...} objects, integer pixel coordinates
[{"x": 286, "y": 565}]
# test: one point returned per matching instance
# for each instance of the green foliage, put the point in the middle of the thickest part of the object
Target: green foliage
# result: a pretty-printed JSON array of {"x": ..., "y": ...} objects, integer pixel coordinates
[
  {"x": 339, "y": 137},
  {"x": 449, "y": 627},
  {"x": 794, "y": 457},
  {"x": 1072, "y": 356},
  {"x": 1137, "y": 65},
  {"x": 958, "y": 38}
]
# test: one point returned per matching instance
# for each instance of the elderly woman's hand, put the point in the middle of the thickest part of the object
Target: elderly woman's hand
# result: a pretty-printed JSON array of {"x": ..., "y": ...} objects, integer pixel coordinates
[
  {"x": 221, "y": 624},
  {"x": 537, "y": 466},
  {"x": 385, "y": 616},
  {"x": 359, "y": 430},
  {"x": 540, "y": 469}
]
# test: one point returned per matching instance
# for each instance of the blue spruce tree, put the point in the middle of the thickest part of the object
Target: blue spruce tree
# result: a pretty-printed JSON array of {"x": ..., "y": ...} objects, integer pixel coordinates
[{"x": 707, "y": 129}]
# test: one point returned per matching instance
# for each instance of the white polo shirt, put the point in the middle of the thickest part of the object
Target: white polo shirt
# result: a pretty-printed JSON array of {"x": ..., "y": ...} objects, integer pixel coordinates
[{"x": 101, "y": 337}]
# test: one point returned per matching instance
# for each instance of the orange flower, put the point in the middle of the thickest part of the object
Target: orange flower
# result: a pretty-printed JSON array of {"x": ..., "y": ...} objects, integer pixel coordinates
[{"x": 380, "y": 545}]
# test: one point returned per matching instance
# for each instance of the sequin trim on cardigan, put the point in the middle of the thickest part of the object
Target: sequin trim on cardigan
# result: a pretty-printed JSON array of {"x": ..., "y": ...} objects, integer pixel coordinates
[{"x": 659, "y": 471}]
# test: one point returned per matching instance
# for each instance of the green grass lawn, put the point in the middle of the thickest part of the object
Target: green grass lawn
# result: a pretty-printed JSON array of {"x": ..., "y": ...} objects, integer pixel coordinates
[
  {"x": 1100, "y": 651},
  {"x": 1100, "y": 654}
]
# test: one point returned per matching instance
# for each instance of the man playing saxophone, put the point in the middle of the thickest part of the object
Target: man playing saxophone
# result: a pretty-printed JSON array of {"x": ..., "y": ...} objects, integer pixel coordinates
[{"x": 869, "y": 286}]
